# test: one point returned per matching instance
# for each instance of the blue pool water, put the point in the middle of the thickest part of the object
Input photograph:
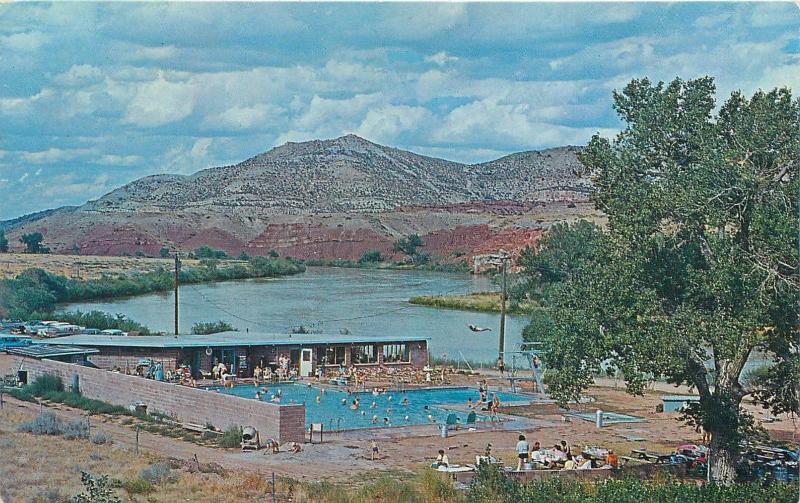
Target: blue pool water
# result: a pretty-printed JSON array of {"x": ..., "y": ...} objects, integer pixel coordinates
[{"x": 334, "y": 415}]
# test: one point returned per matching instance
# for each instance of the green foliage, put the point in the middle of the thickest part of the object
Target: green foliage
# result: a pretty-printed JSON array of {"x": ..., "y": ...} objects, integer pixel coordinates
[
  {"x": 700, "y": 254},
  {"x": 33, "y": 243},
  {"x": 46, "y": 383},
  {"x": 232, "y": 437},
  {"x": 97, "y": 490},
  {"x": 409, "y": 244},
  {"x": 137, "y": 486},
  {"x": 244, "y": 256},
  {"x": 46, "y": 423},
  {"x": 273, "y": 254},
  {"x": 3, "y": 242},
  {"x": 562, "y": 252},
  {"x": 491, "y": 486},
  {"x": 36, "y": 292},
  {"x": 212, "y": 327},
  {"x": 371, "y": 257},
  {"x": 158, "y": 473},
  {"x": 102, "y": 438},
  {"x": 164, "y": 252},
  {"x": 208, "y": 252}
]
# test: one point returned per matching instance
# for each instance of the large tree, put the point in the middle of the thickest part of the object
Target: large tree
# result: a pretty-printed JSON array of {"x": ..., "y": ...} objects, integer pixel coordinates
[{"x": 698, "y": 268}]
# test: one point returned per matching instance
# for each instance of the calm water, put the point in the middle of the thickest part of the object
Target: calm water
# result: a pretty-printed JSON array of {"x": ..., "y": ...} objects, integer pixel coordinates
[
  {"x": 364, "y": 302},
  {"x": 420, "y": 407}
]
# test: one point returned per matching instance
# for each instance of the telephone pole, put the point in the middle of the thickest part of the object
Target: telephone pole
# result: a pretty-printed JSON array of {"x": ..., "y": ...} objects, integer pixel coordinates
[
  {"x": 501, "y": 259},
  {"x": 177, "y": 279}
]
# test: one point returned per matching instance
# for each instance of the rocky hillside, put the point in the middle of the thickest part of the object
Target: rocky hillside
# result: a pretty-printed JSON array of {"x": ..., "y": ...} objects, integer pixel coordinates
[{"x": 327, "y": 199}]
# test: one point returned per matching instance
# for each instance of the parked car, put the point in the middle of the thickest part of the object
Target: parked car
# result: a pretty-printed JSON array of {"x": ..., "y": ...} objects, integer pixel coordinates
[
  {"x": 112, "y": 331},
  {"x": 90, "y": 331}
]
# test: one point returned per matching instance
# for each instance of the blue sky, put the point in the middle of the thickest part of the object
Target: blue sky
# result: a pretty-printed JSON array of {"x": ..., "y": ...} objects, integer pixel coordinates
[{"x": 96, "y": 95}]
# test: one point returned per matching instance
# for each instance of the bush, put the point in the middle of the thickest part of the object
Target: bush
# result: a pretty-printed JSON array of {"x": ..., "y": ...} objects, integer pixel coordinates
[
  {"x": 137, "y": 486},
  {"x": 101, "y": 438},
  {"x": 158, "y": 473},
  {"x": 75, "y": 430},
  {"x": 212, "y": 328},
  {"x": 46, "y": 423},
  {"x": 231, "y": 438},
  {"x": 370, "y": 257},
  {"x": 46, "y": 383},
  {"x": 489, "y": 485},
  {"x": 98, "y": 490}
]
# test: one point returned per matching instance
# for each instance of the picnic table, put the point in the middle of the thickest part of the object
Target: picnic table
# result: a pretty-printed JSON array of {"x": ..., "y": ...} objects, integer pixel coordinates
[{"x": 652, "y": 457}]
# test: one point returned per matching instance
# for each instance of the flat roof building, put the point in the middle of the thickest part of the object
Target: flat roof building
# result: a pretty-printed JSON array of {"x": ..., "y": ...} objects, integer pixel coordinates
[{"x": 242, "y": 352}]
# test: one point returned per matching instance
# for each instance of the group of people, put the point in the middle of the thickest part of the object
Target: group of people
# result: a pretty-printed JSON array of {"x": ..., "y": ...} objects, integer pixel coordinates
[
  {"x": 484, "y": 403},
  {"x": 560, "y": 456}
]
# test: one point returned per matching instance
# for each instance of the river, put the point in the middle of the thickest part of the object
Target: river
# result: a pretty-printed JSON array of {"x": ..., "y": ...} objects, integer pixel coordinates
[{"x": 365, "y": 302}]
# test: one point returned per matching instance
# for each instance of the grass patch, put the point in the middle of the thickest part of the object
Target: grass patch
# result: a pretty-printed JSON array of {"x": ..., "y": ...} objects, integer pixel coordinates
[{"x": 484, "y": 302}]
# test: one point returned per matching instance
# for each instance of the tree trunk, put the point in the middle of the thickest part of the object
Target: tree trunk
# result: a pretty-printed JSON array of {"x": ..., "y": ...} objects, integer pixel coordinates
[{"x": 722, "y": 462}]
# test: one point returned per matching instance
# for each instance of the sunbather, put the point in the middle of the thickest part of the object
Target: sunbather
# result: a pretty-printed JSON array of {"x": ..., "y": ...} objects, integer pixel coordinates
[{"x": 273, "y": 445}]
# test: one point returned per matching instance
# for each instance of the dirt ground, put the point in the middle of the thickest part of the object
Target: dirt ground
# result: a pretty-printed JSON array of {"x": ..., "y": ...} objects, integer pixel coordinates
[{"x": 345, "y": 457}]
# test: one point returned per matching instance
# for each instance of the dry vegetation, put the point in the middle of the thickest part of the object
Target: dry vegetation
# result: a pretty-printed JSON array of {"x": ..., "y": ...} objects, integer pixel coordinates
[
  {"x": 81, "y": 266},
  {"x": 40, "y": 468}
]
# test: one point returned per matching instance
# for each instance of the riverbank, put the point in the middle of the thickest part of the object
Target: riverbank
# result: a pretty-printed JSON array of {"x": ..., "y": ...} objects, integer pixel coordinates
[
  {"x": 35, "y": 293},
  {"x": 456, "y": 267},
  {"x": 482, "y": 302}
]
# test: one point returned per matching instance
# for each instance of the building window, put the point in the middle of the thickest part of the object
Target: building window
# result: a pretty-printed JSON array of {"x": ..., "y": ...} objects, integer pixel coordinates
[
  {"x": 395, "y": 353},
  {"x": 364, "y": 353},
  {"x": 334, "y": 355}
]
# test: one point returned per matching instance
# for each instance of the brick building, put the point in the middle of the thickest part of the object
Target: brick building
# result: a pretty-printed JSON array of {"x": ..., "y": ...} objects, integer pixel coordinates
[{"x": 243, "y": 351}]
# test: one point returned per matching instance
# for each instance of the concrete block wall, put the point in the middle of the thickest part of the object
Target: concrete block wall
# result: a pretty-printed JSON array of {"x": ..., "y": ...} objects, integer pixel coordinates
[{"x": 285, "y": 423}]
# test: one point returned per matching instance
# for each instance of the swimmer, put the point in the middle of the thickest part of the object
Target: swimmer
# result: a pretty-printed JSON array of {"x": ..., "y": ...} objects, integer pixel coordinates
[
  {"x": 389, "y": 410},
  {"x": 386, "y": 421},
  {"x": 431, "y": 419},
  {"x": 374, "y": 419},
  {"x": 405, "y": 401},
  {"x": 308, "y": 385},
  {"x": 390, "y": 398},
  {"x": 344, "y": 401},
  {"x": 319, "y": 398},
  {"x": 406, "y": 418},
  {"x": 322, "y": 391},
  {"x": 426, "y": 407},
  {"x": 258, "y": 395},
  {"x": 375, "y": 392},
  {"x": 363, "y": 413},
  {"x": 374, "y": 405},
  {"x": 265, "y": 390}
]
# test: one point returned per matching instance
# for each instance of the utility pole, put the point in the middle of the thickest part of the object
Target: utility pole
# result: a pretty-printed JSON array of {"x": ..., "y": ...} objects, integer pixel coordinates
[
  {"x": 177, "y": 278},
  {"x": 502, "y": 259},
  {"x": 503, "y": 295}
]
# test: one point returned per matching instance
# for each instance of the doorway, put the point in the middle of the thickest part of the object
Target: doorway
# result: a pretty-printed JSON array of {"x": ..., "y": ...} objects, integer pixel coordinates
[{"x": 306, "y": 362}]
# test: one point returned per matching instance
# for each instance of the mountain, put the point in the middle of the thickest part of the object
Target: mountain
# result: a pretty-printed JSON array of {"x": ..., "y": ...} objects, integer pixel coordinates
[{"x": 329, "y": 199}]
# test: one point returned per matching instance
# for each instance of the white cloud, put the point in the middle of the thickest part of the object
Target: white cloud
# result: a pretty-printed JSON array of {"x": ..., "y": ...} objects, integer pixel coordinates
[
  {"x": 23, "y": 177},
  {"x": 79, "y": 75},
  {"x": 244, "y": 117},
  {"x": 155, "y": 53},
  {"x": 53, "y": 155},
  {"x": 160, "y": 102},
  {"x": 25, "y": 42},
  {"x": 441, "y": 58},
  {"x": 119, "y": 160},
  {"x": 386, "y": 123}
]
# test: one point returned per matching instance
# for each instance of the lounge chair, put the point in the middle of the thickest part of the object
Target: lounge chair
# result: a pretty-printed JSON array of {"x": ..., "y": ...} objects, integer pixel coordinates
[
  {"x": 452, "y": 420},
  {"x": 472, "y": 417}
]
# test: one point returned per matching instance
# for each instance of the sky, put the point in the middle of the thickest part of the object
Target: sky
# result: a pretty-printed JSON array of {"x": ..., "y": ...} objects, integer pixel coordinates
[{"x": 94, "y": 95}]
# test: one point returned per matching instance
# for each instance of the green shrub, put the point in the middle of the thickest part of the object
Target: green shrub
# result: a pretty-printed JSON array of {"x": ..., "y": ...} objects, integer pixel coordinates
[
  {"x": 101, "y": 438},
  {"x": 98, "y": 490},
  {"x": 370, "y": 257},
  {"x": 46, "y": 383},
  {"x": 232, "y": 437},
  {"x": 46, "y": 423},
  {"x": 137, "y": 486},
  {"x": 158, "y": 473},
  {"x": 75, "y": 430},
  {"x": 212, "y": 327}
]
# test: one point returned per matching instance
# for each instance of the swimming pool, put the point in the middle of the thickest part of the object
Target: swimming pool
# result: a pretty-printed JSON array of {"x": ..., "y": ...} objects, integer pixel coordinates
[{"x": 421, "y": 406}]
